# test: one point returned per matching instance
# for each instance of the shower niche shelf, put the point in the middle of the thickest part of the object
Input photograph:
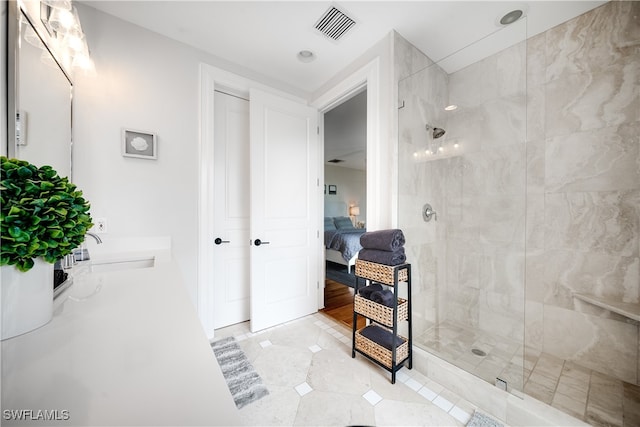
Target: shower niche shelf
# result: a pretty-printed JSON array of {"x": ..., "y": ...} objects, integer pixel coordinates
[
  {"x": 380, "y": 341},
  {"x": 626, "y": 309}
]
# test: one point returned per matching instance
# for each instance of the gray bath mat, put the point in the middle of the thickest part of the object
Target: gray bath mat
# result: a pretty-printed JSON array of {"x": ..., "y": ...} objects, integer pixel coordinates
[
  {"x": 243, "y": 381},
  {"x": 482, "y": 420}
]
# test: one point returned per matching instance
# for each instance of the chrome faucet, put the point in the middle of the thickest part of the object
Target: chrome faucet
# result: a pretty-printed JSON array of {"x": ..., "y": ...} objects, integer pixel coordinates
[
  {"x": 95, "y": 236},
  {"x": 81, "y": 253}
]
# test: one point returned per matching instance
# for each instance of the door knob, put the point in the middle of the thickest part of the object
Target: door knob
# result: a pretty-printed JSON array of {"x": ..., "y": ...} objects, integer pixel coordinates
[
  {"x": 259, "y": 242},
  {"x": 219, "y": 241}
]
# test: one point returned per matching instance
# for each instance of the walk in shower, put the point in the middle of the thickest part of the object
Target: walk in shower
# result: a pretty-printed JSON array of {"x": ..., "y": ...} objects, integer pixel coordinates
[
  {"x": 462, "y": 153},
  {"x": 519, "y": 194}
]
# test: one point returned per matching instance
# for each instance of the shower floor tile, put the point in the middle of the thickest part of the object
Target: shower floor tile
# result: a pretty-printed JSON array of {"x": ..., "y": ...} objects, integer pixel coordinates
[{"x": 578, "y": 391}]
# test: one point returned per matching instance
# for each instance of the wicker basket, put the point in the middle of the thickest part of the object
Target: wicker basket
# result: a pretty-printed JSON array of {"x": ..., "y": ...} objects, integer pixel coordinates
[
  {"x": 380, "y": 313},
  {"x": 379, "y": 272},
  {"x": 381, "y": 354}
]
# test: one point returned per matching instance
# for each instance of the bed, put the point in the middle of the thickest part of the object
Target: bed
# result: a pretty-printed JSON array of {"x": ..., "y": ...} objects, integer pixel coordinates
[{"x": 342, "y": 241}]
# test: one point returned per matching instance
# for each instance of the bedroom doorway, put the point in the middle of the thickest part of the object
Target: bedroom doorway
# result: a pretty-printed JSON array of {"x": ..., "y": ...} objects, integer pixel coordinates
[{"x": 345, "y": 204}]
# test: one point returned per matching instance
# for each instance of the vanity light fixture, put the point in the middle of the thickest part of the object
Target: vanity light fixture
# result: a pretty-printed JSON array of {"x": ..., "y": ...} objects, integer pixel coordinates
[
  {"x": 74, "y": 42},
  {"x": 58, "y": 4},
  {"x": 306, "y": 56},
  {"x": 83, "y": 61},
  {"x": 30, "y": 35},
  {"x": 61, "y": 21},
  {"x": 63, "y": 24}
]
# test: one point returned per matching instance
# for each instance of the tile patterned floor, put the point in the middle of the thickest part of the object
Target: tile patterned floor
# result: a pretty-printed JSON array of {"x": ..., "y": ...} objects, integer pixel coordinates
[{"x": 312, "y": 380}]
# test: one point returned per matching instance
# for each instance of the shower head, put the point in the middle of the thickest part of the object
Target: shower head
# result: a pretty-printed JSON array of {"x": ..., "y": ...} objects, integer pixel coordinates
[{"x": 437, "y": 132}]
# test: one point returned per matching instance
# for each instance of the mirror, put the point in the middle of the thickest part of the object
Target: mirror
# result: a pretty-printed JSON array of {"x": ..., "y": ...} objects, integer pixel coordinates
[{"x": 42, "y": 94}]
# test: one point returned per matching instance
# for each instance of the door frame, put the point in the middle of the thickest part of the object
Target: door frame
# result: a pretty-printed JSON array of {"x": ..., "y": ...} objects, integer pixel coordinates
[
  {"x": 367, "y": 76},
  {"x": 212, "y": 78}
]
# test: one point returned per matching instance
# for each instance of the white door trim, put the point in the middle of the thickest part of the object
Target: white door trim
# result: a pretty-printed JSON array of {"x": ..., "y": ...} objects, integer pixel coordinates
[
  {"x": 369, "y": 76},
  {"x": 211, "y": 78}
]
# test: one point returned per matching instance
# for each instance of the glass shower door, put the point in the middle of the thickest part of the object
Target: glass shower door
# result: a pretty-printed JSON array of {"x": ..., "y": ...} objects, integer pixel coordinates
[{"x": 462, "y": 205}]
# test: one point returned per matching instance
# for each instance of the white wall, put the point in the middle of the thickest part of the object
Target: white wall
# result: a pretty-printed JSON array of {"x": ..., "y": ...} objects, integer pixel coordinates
[
  {"x": 351, "y": 184},
  {"x": 148, "y": 82}
]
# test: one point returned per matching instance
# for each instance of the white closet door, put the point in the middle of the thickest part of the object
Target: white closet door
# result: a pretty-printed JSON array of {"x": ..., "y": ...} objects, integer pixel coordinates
[
  {"x": 231, "y": 210},
  {"x": 284, "y": 197}
]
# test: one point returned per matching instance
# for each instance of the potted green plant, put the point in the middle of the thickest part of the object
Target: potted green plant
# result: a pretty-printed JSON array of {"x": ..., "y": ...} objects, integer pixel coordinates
[{"x": 43, "y": 218}]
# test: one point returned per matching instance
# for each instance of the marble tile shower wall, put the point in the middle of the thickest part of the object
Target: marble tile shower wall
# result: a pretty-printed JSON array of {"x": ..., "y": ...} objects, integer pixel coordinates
[
  {"x": 471, "y": 261},
  {"x": 548, "y": 160},
  {"x": 423, "y": 86},
  {"x": 485, "y": 200},
  {"x": 583, "y": 187}
]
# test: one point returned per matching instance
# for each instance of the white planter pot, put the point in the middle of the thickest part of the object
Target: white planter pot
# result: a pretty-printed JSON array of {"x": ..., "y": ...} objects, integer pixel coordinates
[{"x": 27, "y": 298}]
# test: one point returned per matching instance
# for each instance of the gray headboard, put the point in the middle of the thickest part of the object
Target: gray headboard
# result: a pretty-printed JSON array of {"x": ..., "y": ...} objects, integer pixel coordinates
[{"x": 334, "y": 208}]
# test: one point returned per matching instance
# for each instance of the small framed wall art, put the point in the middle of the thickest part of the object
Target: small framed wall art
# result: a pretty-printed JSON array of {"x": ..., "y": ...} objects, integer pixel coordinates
[{"x": 140, "y": 144}]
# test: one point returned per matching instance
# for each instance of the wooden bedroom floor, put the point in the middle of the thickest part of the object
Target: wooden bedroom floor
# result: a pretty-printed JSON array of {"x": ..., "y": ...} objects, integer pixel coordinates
[{"x": 338, "y": 304}]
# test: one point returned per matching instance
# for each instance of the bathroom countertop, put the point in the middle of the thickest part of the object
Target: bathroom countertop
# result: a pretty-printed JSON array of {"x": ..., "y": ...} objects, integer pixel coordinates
[{"x": 124, "y": 347}]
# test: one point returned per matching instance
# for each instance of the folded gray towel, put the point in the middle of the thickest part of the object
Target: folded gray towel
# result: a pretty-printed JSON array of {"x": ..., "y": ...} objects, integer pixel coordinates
[
  {"x": 368, "y": 290},
  {"x": 383, "y": 240},
  {"x": 381, "y": 336},
  {"x": 396, "y": 257},
  {"x": 385, "y": 297}
]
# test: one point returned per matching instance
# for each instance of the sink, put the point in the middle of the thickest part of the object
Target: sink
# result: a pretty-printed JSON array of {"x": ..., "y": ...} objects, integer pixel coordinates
[{"x": 129, "y": 264}]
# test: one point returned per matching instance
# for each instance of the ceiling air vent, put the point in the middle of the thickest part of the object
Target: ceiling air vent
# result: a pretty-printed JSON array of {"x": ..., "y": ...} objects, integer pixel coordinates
[
  {"x": 334, "y": 23},
  {"x": 335, "y": 161}
]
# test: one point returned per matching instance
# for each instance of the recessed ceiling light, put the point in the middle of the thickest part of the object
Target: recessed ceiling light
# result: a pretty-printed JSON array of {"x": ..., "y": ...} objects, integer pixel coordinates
[
  {"x": 451, "y": 107},
  {"x": 511, "y": 17},
  {"x": 306, "y": 56}
]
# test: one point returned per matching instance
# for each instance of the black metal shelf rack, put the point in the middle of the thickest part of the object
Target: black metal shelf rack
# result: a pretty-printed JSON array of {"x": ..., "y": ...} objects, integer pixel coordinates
[{"x": 384, "y": 317}]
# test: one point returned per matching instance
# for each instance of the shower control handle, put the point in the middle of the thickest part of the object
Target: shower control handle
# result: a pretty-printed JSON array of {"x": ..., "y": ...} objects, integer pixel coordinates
[{"x": 428, "y": 213}]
